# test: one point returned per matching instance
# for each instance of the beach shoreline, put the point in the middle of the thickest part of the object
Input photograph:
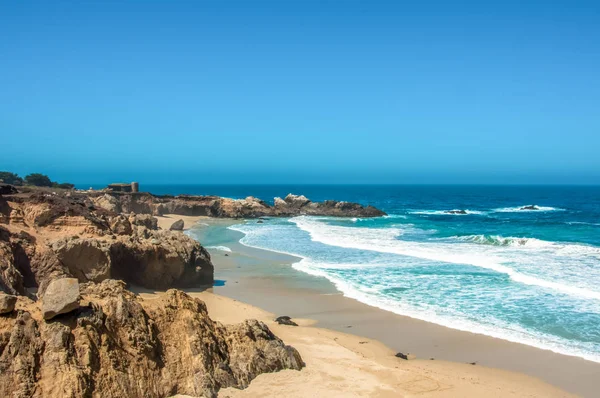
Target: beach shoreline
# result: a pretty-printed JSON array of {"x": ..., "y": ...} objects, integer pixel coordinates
[
  {"x": 266, "y": 279},
  {"x": 344, "y": 364}
]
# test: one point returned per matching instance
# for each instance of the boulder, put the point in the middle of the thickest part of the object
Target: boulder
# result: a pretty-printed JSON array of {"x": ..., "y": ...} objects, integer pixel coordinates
[
  {"x": 177, "y": 226},
  {"x": 296, "y": 200},
  {"x": 108, "y": 202},
  {"x": 7, "y": 303},
  {"x": 61, "y": 297},
  {"x": 285, "y": 320},
  {"x": 406, "y": 357}
]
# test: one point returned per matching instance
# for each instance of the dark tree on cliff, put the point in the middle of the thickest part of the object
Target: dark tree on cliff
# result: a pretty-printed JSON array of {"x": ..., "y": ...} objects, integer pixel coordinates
[
  {"x": 64, "y": 185},
  {"x": 39, "y": 180},
  {"x": 10, "y": 178}
]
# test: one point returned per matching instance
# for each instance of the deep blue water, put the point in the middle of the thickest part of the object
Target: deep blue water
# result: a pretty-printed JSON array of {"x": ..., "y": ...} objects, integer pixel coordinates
[{"x": 526, "y": 276}]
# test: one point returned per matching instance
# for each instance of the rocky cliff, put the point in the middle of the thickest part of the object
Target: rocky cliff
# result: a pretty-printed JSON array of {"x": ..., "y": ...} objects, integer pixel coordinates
[
  {"x": 214, "y": 206},
  {"x": 69, "y": 329},
  {"x": 118, "y": 345},
  {"x": 44, "y": 236}
]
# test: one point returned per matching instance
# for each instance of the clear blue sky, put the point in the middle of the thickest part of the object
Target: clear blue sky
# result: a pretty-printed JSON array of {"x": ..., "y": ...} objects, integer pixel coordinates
[{"x": 301, "y": 91}]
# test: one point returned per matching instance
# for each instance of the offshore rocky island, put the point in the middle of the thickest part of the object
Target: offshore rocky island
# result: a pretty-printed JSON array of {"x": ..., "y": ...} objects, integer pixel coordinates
[{"x": 69, "y": 325}]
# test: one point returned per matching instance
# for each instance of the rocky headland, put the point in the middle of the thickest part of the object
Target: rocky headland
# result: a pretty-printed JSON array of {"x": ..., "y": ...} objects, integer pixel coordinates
[
  {"x": 215, "y": 206},
  {"x": 70, "y": 328}
]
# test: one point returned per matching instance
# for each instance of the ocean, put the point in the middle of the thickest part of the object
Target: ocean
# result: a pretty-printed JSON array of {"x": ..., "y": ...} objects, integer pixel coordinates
[{"x": 527, "y": 276}]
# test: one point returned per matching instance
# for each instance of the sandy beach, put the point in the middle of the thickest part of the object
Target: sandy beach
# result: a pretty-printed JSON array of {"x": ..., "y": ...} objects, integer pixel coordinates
[
  {"x": 345, "y": 365},
  {"x": 349, "y": 346}
]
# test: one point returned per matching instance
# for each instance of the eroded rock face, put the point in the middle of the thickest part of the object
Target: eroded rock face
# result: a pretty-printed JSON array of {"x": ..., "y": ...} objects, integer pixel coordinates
[
  {"x": 144, "y": 220},
  {"x": 72, "y": 238},
  {"x": 250, "y": 207},
  {"x": 87, "y": 259},
  {"x": 120, "y": 225},
  {"x": 161, "y": 259},
  {"x": 118, "y": 345}
]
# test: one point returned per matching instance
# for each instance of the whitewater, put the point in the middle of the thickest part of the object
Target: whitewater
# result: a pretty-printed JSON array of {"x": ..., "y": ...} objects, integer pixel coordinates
[{"x": 527, "y": 276}]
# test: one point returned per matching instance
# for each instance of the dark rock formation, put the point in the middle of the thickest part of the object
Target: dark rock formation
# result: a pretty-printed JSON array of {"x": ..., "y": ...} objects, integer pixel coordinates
[
  {"x": 177, "y": 225},
  {"x": 285, "y": 320},
  {"x": 61, "y": 297},
  {"x": 530, "y": 207},
  {"x": 118, "y": 345},
  {"x": 456, "y": 212},
  {"x": 7, "y": 303},
  {"x": 406, "y": 356}
]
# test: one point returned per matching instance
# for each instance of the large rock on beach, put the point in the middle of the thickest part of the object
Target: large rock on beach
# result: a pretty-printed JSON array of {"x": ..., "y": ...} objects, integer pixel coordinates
[
  {"x": 177, "y": 226},
  {"x": 61, "y": 297}
]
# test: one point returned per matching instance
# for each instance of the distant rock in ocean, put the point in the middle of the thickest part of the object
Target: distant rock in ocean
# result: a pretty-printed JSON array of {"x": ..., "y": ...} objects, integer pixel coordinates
[
  {"x": 530, "y": 207},
  {"x": 456, "y": 212}
]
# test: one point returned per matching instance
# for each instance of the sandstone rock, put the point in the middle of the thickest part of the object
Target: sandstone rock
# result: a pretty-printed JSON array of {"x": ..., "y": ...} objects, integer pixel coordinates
[
  {"x": 278, "y": 202},
  {"x": 177, "y": 226},
  {"x": 296, "y": 200},
  {"x": 120, "y": 225},
  {"x": 250, "y": 207},
  {"x": 162, "y": 260},
  {"x": 87, "y": 259},
  {"x": 11, "y": 280},
  {"x": 144, "y": 220},
  {"x": 285, "y": 320},
  {"x": 7, "y": 303},
  {"x": 61, "y": 297},
  {"x": 108, "y": 202},
  {"x": 119, "y": 345}
]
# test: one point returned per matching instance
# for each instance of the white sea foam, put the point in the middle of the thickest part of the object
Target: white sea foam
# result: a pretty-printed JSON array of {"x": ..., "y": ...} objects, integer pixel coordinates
[
  {"x": 382, "y": 240},
  {"x": 371, "y": 296},
  {"x": 496, "y": 329},
  {"x": 221, "y": 248},
  {"x": 453, "y": 212},
  {"x": 521, "y": 209},
  {"x": 497, "y": 240}
]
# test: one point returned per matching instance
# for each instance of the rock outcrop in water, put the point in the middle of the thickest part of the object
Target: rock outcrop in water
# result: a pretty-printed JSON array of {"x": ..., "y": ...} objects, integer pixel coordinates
[
  {"x": 529, "y": 207},
  {"x": 118, "y": 345},
  {"x": 214, "y": 206},
  {"x": 459, "y": 212}
]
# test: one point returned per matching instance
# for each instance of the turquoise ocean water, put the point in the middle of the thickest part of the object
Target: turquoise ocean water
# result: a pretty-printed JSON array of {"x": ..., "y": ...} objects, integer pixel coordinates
[{"x": 528, "y": 276}]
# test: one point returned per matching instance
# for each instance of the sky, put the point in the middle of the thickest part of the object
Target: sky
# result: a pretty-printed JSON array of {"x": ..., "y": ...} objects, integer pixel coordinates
[{"x": 327, "y": 92}]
